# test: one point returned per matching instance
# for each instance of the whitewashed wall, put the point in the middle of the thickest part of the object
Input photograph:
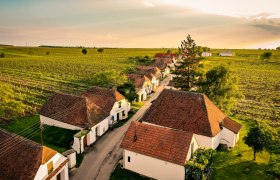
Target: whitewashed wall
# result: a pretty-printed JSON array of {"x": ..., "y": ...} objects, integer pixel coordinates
[
  {"x": 57, "y": 159},
  {"x": 194, "y": 149},
  {"x": 228, "y": 137},
  {"x": 53, "y": 122},
  {"x": 115, "y": 110},
  {"x": 152, "y": 167}
]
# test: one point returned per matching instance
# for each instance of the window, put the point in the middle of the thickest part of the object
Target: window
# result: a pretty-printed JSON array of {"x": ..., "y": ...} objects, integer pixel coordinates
[
  {"x": 120, "y": 104},
  {"x": 128, "y": 159}
]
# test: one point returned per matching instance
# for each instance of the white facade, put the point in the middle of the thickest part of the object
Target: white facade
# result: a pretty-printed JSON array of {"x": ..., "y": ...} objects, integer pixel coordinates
[
  {"x": 226, "y": 54},
  {"x": 206, "y": 54},
  {"x": 56, "y": 160},
  {"x": 119, "y": 111},
  {"x": 53, "y": 122},
  {"x": 152, "y": 167},
  {"x": 142, "y": 95}
]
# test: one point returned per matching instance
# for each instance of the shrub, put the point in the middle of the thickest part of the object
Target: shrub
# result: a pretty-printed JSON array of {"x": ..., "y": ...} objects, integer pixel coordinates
[
  {"x": 2, "y": 55},
  {"x": 84, "y": 51}
]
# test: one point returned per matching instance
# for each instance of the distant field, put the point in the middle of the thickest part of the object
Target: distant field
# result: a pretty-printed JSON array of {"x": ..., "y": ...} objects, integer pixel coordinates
[
  {"x": 33, "y": 75},
  {"x": 259, "y": 83}
]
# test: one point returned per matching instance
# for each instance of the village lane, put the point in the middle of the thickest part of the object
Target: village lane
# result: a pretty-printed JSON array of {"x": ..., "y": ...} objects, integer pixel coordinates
[{"x": 102, "y": 157}]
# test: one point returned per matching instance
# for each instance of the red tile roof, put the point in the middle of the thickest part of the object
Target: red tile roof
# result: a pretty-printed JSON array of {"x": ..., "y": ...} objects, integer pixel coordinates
[
  {"x": 190, "y": 112},
  {"x": 137, "y": 79},
  {"x": 158, "y": 142},
  {"x": 165, "y": 55},
  {"x": 83, "y": 111},
  {"x": 149, "y": 71},
  {"x": 23, "y": 158}
]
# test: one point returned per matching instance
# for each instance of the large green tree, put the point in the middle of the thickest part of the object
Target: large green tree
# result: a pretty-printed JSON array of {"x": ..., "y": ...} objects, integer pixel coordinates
[
  {"x": 129, "y": 91},
  {"x": 221, "y": 86},
  {"x": 109, "y": 79},
  {"x": 258, "y": 139},
  {"x": 266, "y": 55},
  {"x": 187, "y": 74}
]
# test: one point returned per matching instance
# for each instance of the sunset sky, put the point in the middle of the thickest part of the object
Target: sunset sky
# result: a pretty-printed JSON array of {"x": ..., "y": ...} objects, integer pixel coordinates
[{"x": 141, "y": 23}]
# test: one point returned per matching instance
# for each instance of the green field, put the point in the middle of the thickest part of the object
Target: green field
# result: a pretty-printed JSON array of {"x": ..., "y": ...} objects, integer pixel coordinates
[
  {"x": 33, "y": 76},
  {"x": 30, "y": 77}
]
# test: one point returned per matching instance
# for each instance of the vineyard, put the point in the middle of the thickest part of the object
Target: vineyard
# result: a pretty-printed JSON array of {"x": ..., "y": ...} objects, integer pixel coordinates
[
  {"x": 28, "y": 76},
  {"x": 259, "y": 82}
]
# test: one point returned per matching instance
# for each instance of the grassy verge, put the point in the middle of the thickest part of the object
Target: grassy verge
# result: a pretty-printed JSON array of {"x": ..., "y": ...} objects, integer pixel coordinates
[
  {"x": 237, "y": 163},
  {"x": 120, "y": 173},
  {"x": 56, "y": 138}
]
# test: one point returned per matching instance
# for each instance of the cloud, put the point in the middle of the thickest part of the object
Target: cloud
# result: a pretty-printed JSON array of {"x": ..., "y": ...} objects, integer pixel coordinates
[{"x": 148, "y": 3}]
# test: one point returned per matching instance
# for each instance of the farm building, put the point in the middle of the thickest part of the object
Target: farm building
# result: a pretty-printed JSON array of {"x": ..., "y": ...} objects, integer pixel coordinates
[
  {"x": 157, "y": 152},
  {"x": 206, "y": 54},
  {"x": 193, "y": 113},
  {"x": 91, "y": 113},
  {"x": 143, "y": 85},
  {"x": 25, "y": 159},
  {"x": 227, "y": 53},
  {"x": 153, "y": 73}
]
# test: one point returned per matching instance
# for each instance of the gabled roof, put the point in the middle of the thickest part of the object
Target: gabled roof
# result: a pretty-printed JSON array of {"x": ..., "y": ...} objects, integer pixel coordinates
[
  {"x": 23, "y": 158},
  {"x": 83, "y": 111},
  {"x": 103, "y": 98},
  {"x": 190, "y": 112},
  {"x": 67, "y": 108},
  {"x": 138, "y": 80},
  {"x": 158, "y": 142},
  {"x": 165, "y": 55},
  {"x": 149, "y": 71}
]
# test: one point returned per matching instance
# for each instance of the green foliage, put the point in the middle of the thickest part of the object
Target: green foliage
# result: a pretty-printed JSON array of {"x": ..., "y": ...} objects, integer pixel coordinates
[
  {"x": 120, "y": 173},
  {"x": 100, "y": 50},
  {"x": 266, "y": 55},
  {"x": 84, "y": 51},
  {"x": 258, "y": 139},
  {"x": 169, "y": 51},
  {"x": 2, "y": 55},
  {"x": 274, "y": 165},
  {"x": 278, "y": 48},
  {"x": 48, "y": 53},
  {"x": 188, "y": 52},
  {"x": 221, "y": 86},
  {"x": 199, "y": 161},
  {"x": 10, "y": 106},
  {"x": 109, "y": 79},
  {"x": 128, "y": 90},
  {"x": 142, "y": 60}
]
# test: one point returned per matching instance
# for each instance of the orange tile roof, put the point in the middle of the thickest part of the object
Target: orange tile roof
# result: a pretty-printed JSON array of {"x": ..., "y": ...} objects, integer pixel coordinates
[
  {"x": 158, "y": 142},
  {"x": 47, "y": 154},
  {"x": 190, "y": 112}
]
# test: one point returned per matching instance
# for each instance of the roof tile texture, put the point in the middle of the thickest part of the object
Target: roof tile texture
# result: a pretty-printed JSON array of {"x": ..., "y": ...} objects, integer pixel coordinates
[{"x": 162, "y": 143}]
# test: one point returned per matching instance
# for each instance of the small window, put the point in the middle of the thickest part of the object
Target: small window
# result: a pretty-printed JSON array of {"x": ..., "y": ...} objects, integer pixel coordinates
[{"x": 128, "y": 159}]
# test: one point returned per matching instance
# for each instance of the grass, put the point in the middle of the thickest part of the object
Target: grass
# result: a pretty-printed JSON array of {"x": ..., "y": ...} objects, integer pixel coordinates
[
  {"x": 120, "y": 173},
  {"x": 56, "y": 138},
  {"x": 238, "y": 162}
]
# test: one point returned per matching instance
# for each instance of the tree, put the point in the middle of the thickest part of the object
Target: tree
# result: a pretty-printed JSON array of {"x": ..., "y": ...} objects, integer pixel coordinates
[
  {"x": 100, "y": 50},
  {"x": 258, "y": 139},
  {"x": 109, "y": 79},
  {"x": 84, "y": 51},
  {"x": 221, "y": 86},
  {"x": 278, "y": 48},
  {"x": 168, "y": 51},
  {"x": 187, "y": 75},
  {"x": 48, "y": 53},
  {"x": 128, "y": 90},
  {"x": 2, "y": 55},
  {"x": 266, "y": 55}
]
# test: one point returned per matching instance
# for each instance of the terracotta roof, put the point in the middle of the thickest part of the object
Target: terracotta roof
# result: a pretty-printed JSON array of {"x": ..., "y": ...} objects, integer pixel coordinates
[
  {"x": 231, "y": 125},
  {"x": 48, "y": 153},
  {"x": 190, "y": 112},
  {"x": 138, "y": 80},
  {"x": 165, "y": 55},
  {"x": 149, "y": 71},
  {"x": 160, "y": 65},
  {"x": 67, "y": 108},
  {"x": 162, "y": 143},
  {"x": 22, "y": 160}
]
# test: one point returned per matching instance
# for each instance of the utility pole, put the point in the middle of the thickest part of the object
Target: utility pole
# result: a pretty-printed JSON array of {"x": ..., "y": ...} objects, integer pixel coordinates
[{"x": 41, "y": 129}]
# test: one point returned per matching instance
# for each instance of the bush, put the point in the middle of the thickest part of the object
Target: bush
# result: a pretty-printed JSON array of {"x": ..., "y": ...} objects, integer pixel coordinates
[
  {"x": 100, "y": 50},
  {"x": 266, "y": 55},
  {"x": 47, "y": 53},
  {"x": 84, "y": 51},
  {"x": 2, "y": 55}
]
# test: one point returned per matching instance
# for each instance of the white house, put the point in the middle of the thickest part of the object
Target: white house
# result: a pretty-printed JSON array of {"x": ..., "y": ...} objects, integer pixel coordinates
[
  {"x": 206, "y": 54},
  {"x": 91, "y": 113},
  {"x": 157, "y": 152},
  {"x": 143, "y": 85},
  {"x": 193, "y": 113},
  {"x": 153, "y": 73},
  {"x": 26, "y": 159},
  {"x": 227, "y": 53}
]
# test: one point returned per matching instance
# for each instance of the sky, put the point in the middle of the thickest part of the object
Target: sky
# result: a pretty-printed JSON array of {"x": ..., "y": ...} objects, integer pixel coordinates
[{"x": 141, "y": 23}]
